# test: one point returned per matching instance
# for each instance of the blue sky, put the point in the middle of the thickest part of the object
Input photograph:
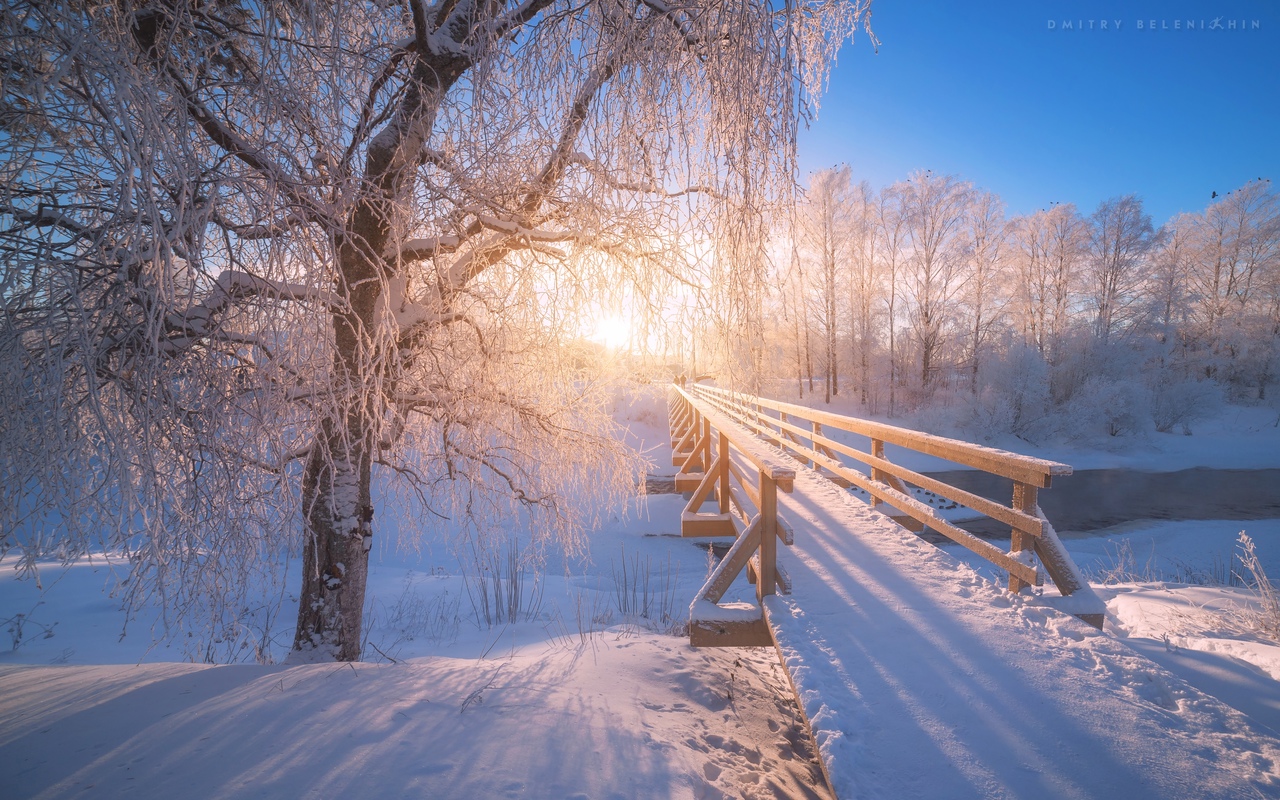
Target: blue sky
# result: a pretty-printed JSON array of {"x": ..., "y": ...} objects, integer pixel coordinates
[{"x": 1009, "y": 97}]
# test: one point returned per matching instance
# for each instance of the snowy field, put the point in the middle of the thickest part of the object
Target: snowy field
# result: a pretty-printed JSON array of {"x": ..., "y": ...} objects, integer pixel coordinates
[{"x": 589, "y": 689}]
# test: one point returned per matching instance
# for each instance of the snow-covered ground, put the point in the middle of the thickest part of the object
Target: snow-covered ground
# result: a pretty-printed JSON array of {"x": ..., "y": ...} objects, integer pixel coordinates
[{"x": 592, "y": 692}]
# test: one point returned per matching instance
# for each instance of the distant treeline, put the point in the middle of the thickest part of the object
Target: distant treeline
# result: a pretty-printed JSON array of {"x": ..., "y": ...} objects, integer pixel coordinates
[{"x": 924, "y": 294}]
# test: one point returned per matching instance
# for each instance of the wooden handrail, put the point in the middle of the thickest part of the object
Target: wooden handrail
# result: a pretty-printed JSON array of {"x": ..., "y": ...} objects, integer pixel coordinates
[
  {"x": 1024, "y": 469},
  {"x": 761, "y": 458}
]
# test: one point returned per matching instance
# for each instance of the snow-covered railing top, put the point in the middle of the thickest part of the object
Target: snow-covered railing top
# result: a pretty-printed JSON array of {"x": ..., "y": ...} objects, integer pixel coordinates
[
  {"x": 756, "y": 451},
  {"x": 1026, "y": 469}
]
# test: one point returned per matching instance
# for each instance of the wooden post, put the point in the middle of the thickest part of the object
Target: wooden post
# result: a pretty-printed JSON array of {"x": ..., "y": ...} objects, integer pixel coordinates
[
  {"x": 706, "y": 444},
  {"x": 877, "y": 450},
  {"x": 724, "y": 473},
  {"x": 1025, "y": 498},
  {"x": 813, "y": 443},
  {"x": 767, "y": 579},
  {"x": 693, "y": 461}
]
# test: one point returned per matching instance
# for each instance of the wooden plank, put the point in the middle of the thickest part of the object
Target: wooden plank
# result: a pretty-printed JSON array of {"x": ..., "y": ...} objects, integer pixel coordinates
[
  {"x": 753, "y": 574},
  {"x": 706, "y": 526},
  {"x": 688, "y": 482},
  {"x": 679, "y": 451},
  {"x": 925, "y": 514},
  {"x": 722, "y": 633},
  {"x": 1057, "y": 562},
  {"x": 723, "y": 473},
  {"x": 703, "y": 490},
  {"x": 785, "y": 532},
  {"x": 1012, "y": 517},
  {"x": 784, "y": 580},
  {"x": 783, "y": 475},
  {"x": 1024, "y": 499}
]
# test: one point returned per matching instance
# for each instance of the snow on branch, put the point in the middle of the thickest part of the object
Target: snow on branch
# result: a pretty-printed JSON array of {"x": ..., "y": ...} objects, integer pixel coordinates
[
  {"x": 599, "y": 171},
  {"x": 232, "y": 285},
  {"x": 400, "y": 312},
  {"x": 420, "y": 249},
  {"x": 680, "y": 21},
  {"x": 43, "y": 217}
]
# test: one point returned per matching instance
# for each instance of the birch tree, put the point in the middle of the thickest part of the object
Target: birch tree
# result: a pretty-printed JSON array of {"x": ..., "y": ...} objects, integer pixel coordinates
[
  {"x": 826, "y": 232},
  {"x": 862, "y": 288},
  {"x": 255, "y": 251},
  {"x": 1237, "y": 247},
  {"x": 1051, "y": 247},
  {"x": 1122, "y": 236},
  {"x": 934, "y": 209},
  {"x": 983, "y": 292},
  {"x": 891, "y": 225}
]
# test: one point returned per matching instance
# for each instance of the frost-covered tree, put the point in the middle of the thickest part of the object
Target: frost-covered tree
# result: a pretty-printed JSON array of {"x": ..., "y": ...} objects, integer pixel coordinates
[
  {"x": 1051, "y": 247},
  {"x": 255, "y": 251},
  {"x": 863, "y": 294},
  {"x": 984, "y": 293},
  {"x": 891, "y": 235},
  {"x": 825, "y": 235},
  {"x": 934, "y": 208},
  {"x": 1236, "y": 251},
  {"x": 1121, "y": 237}
]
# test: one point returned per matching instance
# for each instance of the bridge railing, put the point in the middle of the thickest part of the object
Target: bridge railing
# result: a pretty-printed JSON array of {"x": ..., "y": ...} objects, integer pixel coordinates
[
  {"x": 744, "y": 504},
  {"x": 800, "y": 430}
]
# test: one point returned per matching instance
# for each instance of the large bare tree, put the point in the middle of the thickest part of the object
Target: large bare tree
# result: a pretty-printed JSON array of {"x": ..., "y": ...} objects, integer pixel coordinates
[{"x": 254, "y": 250}]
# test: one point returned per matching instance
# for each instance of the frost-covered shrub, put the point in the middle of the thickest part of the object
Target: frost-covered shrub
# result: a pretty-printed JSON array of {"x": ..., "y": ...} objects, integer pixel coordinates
[
  {"x": 646, "y": 405},
  {"x": 1014, "y": 398},
  {"x": 1266, "y": 619},
  {"x": 1121, "y": 407},
  {"x": 1182, "y": 401}
]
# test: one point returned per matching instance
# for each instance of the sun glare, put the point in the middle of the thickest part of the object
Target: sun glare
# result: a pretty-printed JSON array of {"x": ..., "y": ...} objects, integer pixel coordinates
[{"x": 613, "y": 331}]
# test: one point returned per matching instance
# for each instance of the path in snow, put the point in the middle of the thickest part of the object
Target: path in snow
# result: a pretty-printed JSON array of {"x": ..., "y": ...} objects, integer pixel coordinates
[{"x": 922, "y": 679}]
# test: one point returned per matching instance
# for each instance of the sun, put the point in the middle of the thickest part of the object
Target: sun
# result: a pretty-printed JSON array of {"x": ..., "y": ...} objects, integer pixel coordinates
[{"x": 613, "y": 331}]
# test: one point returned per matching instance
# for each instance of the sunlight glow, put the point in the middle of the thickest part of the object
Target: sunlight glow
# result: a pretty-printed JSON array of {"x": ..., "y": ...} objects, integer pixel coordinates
[{"x": 613, "y": 331}]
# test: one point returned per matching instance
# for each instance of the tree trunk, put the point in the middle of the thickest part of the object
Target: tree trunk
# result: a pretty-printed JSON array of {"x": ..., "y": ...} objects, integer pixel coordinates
[
  {"x": 339, "y": 515},
  {"x": 336, "y": 496}
]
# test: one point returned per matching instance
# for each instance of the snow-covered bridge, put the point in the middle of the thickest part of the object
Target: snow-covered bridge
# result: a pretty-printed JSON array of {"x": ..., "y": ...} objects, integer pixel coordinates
[{"x": 919, "y": 677}]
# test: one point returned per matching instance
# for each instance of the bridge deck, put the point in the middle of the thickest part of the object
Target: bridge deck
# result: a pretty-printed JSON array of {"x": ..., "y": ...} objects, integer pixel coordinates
[{"x": 923, "y": 680}]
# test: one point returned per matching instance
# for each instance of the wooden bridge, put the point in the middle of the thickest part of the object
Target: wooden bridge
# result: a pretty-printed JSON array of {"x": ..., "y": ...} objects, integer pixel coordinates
[
  {"x": 710, "y": 425},
  {"x": 918, "y": 677}
]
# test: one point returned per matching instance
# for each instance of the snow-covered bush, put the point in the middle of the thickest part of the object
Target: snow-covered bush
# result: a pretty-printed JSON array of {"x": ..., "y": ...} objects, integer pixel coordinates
[
  {"x": 1014, "y": 399},
  {"x": 1121, "y": 407},
  {"x": 1180, "y": 402}
]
